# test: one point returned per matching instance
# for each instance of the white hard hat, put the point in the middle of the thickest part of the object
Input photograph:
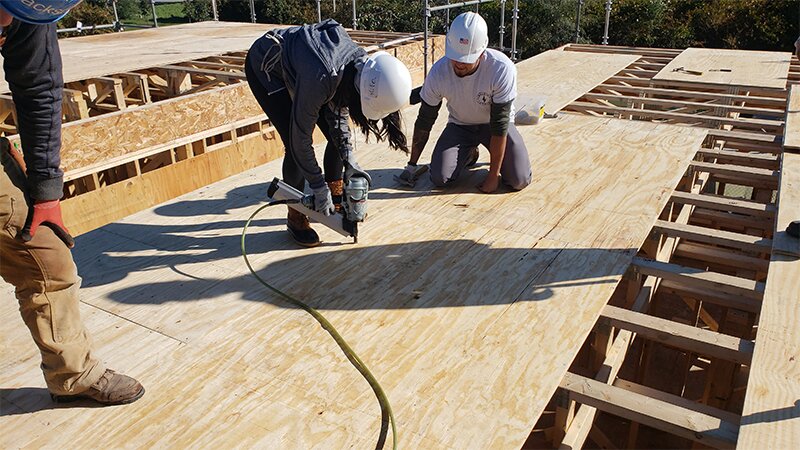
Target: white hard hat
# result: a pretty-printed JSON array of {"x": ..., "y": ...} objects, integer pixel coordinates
[
  {"x": 467, "y": 38},
  {"x": 385, "y": 85}
]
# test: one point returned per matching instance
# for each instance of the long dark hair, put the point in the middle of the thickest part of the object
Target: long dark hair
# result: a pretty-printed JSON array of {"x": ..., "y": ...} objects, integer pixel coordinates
[{"x": 390, "y": 127}]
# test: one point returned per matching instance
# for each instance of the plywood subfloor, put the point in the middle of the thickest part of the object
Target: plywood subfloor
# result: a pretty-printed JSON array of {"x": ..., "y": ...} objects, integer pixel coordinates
[
  {"x": 93, "y": 56},
  {"x": 734, "y": 68},
  {"x": 791, "y": 133},
  {"x": 771, "y": 415},
  {"x": 467, "y": 307},
  {"x": 561, "y": 77}
]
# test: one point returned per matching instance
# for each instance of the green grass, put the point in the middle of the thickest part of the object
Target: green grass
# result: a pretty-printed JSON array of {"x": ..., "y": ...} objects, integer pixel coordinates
[{"x": 168, "y": 14}]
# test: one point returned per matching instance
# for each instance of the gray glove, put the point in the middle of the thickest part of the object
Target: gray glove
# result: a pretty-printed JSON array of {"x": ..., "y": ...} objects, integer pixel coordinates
[
  {"x": 323, "y": 202},
  {"x": 352, "y": 169},
  {"x": 411, "y": 174}
]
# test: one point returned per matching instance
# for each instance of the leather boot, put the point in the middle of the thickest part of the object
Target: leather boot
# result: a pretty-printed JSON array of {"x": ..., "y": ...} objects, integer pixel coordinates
[
  {"x": 301, "y": 230},
  {"x": 111, "y": 389},
  {"x": 337, "y": 193}
]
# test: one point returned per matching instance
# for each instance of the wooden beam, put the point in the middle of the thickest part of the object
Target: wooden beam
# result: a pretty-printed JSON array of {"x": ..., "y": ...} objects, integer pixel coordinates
[
  {"x": 659, "y": 414},
  {"x": 723, "y": 299},
  {"x": 213, "y": 73},
  {"x": 684, "y": 103},
  {"x": 678, "y": 400},
  {"x": 778, "y": 104},
  {"x": 716, "y": 237},
  {"x": 735, "y": 136},
  {"x": 725, "y": 204},
  {"x": 761, "y": 160},
  {"x": 678, "y": 335},
  {"x": 708, "y": 218},
  {"x": 755, "y": 124},
  {"x": 644, "y": 51},
  {"x": 717, "y": 255},
  {"x": 764, "y": 176},
  {"x": 702, "y": 279}
]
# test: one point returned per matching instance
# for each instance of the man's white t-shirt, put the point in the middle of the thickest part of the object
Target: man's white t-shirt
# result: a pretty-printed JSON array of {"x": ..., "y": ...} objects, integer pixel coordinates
[{"x": 469, "y": 98}]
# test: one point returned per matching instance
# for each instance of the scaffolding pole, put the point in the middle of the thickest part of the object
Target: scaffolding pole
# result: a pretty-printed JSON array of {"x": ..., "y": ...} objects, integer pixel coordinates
[
  {"x": 514, "y": 17},
  {"x": 502, "y": 24},
  {"x": 355, "y": 23},
  {"x": 457, "y": 5},
  {"x": 117, "y": 24},
  {"x": 578, "y": 21},
  {"x": 155, "y": 17},
  {"x": 252, "y": 11},
  {"x": 426, "y": 12},
  {"x": 608, "y": 18}
]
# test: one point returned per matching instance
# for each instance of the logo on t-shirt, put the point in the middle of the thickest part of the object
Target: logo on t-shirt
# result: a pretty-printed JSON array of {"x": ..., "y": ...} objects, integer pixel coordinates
[{"x": 483, "y": 98}]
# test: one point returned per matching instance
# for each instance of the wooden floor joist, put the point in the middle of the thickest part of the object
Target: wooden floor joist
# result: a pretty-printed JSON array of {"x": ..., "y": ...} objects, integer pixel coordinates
[
  {"x": 744, "y": 124},
  {"x": 659, "y": 414},
  {"x": 716, "y": 237},
  {"x": 702, "y": 279},
  {"x": 744, "y": 173},
  {"x": 720, "y": 203},
  {"x": 717, "y": 255},
  {"x": 676, "y": 334}
]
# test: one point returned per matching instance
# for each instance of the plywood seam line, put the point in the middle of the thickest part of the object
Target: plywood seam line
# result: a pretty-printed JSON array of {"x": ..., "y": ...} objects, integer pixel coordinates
[{"x": 153, "y": 330}]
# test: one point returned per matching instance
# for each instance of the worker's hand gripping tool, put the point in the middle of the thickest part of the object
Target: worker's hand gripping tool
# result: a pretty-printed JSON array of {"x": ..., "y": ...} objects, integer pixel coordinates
[{"x": 354, "y": 204}]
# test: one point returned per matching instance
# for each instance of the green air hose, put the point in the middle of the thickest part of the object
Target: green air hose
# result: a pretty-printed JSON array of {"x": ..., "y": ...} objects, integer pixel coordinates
[{"x": 351, "y": 355}]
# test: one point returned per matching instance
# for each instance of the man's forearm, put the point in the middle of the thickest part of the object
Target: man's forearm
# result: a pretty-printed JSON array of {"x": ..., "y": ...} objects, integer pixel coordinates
[
  {"x": 418, "y": 142},
  {"x": 497, "y": 150}
]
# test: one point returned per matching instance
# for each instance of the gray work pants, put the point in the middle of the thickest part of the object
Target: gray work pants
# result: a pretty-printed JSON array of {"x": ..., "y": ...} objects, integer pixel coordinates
[{"x": 452, "y": 151}]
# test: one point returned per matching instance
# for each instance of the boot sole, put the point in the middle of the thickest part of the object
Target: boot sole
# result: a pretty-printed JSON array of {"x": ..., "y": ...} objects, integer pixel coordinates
[{"x": 79, "y": 397}]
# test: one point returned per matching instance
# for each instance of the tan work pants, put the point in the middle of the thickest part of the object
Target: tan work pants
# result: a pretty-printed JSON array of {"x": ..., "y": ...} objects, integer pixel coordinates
[{"x": 46, "y": 281}]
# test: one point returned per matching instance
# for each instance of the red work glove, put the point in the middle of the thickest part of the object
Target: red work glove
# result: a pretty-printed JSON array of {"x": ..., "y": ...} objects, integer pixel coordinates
[{"x": 47, "y": 213}]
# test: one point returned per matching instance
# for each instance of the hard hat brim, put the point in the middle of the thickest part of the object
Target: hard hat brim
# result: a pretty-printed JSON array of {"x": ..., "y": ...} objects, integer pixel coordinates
[{"x": 457, "y": 57}]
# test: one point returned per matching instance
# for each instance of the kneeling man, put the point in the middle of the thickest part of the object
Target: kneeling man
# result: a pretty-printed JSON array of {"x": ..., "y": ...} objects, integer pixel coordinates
[{"x": 480, "y": 85}]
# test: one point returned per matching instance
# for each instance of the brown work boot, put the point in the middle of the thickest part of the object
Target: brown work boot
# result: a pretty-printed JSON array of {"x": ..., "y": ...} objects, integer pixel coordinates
[
  {"x": 111, "y": 389},
  {"x": 337, "y": 193},
  {"x": 301, "y": 230}
]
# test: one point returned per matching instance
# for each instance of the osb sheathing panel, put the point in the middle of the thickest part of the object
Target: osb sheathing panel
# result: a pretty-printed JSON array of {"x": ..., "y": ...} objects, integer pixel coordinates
[
  {"x": 97, "y": 208},
  {"x": 412, "y": 53},
  {"x": 94, "y": 140},
  {"x": 99, "y": 139}
]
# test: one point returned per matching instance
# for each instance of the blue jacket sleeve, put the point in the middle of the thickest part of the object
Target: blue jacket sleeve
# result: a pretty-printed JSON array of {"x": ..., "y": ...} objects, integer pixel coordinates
[{"x": 32, "y": 64}]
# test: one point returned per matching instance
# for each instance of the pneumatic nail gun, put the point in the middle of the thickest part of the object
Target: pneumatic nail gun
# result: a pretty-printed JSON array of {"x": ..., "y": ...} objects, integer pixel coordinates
[{"x": 354, "y": 205}]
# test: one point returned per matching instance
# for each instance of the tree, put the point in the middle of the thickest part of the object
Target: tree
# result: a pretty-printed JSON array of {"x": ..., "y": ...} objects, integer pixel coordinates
[{"x": 198, "y": 10}]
